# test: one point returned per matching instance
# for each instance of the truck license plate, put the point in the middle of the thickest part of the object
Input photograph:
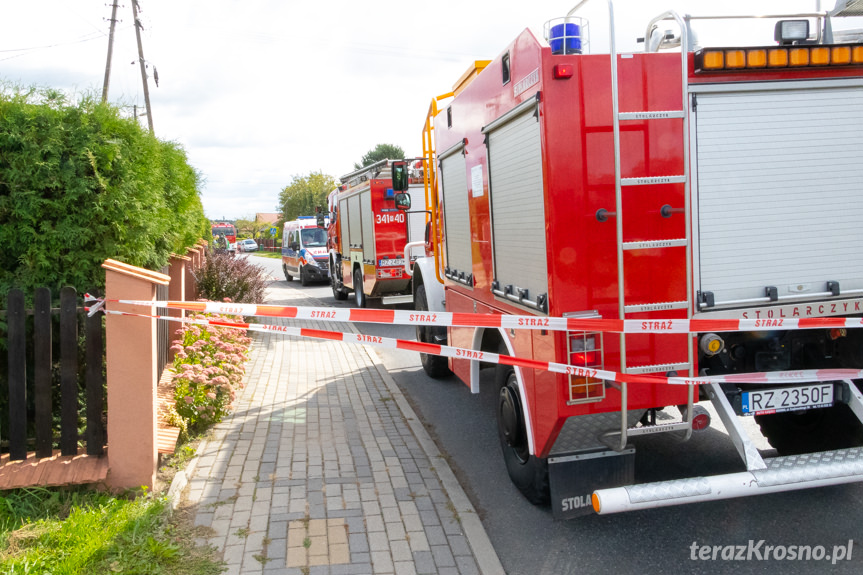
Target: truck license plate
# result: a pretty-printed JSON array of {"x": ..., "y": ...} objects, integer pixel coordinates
[
  {"x": 393, "y": 262},
  {"x": 767, "y": 401}
]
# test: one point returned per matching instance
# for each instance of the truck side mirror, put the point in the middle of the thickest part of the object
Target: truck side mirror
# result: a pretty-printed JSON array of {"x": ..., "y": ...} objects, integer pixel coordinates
[
  {"x": 400, "y": 176},
  {"x": 403, "y": 201},
  {"x": 321, "y": 220}
]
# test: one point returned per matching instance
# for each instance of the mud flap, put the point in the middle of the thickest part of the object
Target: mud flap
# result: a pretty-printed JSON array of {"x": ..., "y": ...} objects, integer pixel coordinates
[{"x": 574, "y": 477}]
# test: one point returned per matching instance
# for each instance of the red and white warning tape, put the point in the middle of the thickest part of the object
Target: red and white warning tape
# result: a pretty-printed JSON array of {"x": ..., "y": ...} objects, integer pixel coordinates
[
  {"x": 779, "y": 377},
  {"x": 452, "y": 319}
]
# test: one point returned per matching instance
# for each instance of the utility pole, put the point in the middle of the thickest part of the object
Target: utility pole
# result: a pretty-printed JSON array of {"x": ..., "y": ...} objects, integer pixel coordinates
[
  {"x": 110, "y": 51},
  {"x": 143, "y": 66}
]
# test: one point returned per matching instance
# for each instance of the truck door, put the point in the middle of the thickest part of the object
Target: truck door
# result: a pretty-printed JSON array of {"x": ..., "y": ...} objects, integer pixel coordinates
[
  {"x": 368, "y": 223},
  {"x": 518, "y": 208},
  {"x": 459, "y": 260}
]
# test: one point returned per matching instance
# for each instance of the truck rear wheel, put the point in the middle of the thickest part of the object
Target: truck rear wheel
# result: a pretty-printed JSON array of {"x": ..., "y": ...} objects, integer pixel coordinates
[
  {"x": 285, "y": 271},
  {"x": 796, "y": 432},
  {"x": 359, "y": 294},
  {"x": 435, "y": 366},
  {"x": 527, "y": 472}
]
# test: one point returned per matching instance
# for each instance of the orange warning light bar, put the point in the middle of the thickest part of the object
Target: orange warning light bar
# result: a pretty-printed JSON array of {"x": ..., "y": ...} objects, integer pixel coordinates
[{"x": 772, "y": 58}]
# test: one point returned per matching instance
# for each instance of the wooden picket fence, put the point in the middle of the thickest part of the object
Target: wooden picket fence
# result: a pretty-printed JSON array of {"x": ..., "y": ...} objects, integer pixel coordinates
[{"x": 42, "y": 434}]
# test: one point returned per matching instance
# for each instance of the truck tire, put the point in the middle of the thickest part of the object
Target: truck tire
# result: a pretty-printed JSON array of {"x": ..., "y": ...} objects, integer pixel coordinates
[
  {"x": 336, "y": 284},
  {"x": 304, "y": 276},
  {"x": 359, "y": 294},
  {"x": 287, "y": 275},
  {"x": 796, "y": 432},
  {"x": 435, "y": 366},
  {"x": 338, "y": 292},
  {"x": 527, "y": 472}
]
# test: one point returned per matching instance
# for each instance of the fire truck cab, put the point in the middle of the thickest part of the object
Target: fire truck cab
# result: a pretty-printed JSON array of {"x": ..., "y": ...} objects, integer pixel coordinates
[{"x": 683, "y": 182}]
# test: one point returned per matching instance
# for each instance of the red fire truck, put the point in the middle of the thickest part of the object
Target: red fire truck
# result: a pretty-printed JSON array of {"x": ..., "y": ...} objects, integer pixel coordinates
[
  {"x": 368, "y": 233},
  {"x": 228, "y": 230},
  {"x": 683, "y": 182}
]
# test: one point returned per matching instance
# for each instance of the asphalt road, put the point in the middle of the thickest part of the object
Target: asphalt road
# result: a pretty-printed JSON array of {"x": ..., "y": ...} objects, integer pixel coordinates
[{"x": 529, "y": 541}]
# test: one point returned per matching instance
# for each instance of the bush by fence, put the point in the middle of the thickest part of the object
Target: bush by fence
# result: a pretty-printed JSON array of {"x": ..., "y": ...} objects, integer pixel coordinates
[
  {"x": 237, "y": 279},
  {"x": 80, "y": 184}
]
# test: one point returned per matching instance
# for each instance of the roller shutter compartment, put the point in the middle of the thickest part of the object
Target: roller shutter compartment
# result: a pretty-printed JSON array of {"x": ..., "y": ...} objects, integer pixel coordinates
[
  {"x": 459, "y": 258},
  {"x": 779, "y": 191},
  {"x": 355, "y": 226},
  {"x": 368, "y": 218},
  {"x": 518, "y": 207}
]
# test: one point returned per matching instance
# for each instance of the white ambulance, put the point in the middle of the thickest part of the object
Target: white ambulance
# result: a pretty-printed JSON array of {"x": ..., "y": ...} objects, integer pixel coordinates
[{"x": 304, "y": 250}]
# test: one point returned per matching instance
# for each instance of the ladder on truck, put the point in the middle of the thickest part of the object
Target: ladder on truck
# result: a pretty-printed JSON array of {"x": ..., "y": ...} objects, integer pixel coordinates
[
  {"x": 620, "y": 182},
  {"x": 762, "y": 475}
]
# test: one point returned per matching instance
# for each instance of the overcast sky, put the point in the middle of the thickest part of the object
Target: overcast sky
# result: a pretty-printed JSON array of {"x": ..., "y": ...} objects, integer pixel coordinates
[{"x": 258, "y": 91}]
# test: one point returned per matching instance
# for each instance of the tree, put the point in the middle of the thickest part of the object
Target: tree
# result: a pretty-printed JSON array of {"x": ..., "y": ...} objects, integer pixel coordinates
[
  {"x": 304, "y": 194},
  {"x": 80, "y": 183},
  {"x": 381, "y": 152},
  {"x": 252, "y": 228}
]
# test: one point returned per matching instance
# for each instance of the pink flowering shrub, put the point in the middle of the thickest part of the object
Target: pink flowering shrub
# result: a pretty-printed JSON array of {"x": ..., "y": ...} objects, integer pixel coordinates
[
  {"x": 224, "y": 276},
  {"x": 209, "y": 364}
]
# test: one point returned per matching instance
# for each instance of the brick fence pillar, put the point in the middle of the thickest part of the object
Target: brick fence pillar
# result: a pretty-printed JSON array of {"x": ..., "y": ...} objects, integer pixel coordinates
[
  {"x": 131, "y": 368},
  {"x": 196, "y": 257},
  {"x": 177, "y": 292}
]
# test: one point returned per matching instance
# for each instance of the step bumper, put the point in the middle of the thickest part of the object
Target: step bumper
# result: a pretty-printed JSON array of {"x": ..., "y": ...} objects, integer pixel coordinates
[{"x": 789, "y": 473}]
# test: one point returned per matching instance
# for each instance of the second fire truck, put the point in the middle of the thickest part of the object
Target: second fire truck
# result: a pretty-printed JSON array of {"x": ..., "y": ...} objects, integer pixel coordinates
[
  {"x": 368, "y": 233},
  {"x": 680, "y": 183}
]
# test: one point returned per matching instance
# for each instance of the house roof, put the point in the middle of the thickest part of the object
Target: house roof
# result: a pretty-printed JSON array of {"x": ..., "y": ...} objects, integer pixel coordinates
[{"x": 267, "y": 218}]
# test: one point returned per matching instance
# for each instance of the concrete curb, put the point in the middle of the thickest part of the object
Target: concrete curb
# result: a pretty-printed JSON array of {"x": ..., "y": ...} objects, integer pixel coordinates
[
  {"x": 178, "y": 484},
  {"x": 181, "y": 479}
]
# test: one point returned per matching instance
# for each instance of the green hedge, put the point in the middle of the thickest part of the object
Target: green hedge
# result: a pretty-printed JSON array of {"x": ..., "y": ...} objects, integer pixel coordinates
[{"x": 79, "y": 183}]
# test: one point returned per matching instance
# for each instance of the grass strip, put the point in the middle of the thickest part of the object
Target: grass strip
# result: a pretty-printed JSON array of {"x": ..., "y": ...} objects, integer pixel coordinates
[{"x": 66, "y": 532}]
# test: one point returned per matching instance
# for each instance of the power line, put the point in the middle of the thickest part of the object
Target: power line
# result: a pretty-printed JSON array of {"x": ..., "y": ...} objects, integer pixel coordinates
[
  {"x": 85, "y": 19},
  {"x": 27, "y": 51}
]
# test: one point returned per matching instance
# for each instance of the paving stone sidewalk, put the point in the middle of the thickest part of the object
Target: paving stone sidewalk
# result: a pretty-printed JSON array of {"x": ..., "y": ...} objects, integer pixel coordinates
[{"x": 324, "y": 469}]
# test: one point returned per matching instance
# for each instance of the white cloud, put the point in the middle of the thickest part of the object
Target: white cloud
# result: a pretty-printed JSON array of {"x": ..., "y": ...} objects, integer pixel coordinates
[{"x": 258, "y": 91}]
